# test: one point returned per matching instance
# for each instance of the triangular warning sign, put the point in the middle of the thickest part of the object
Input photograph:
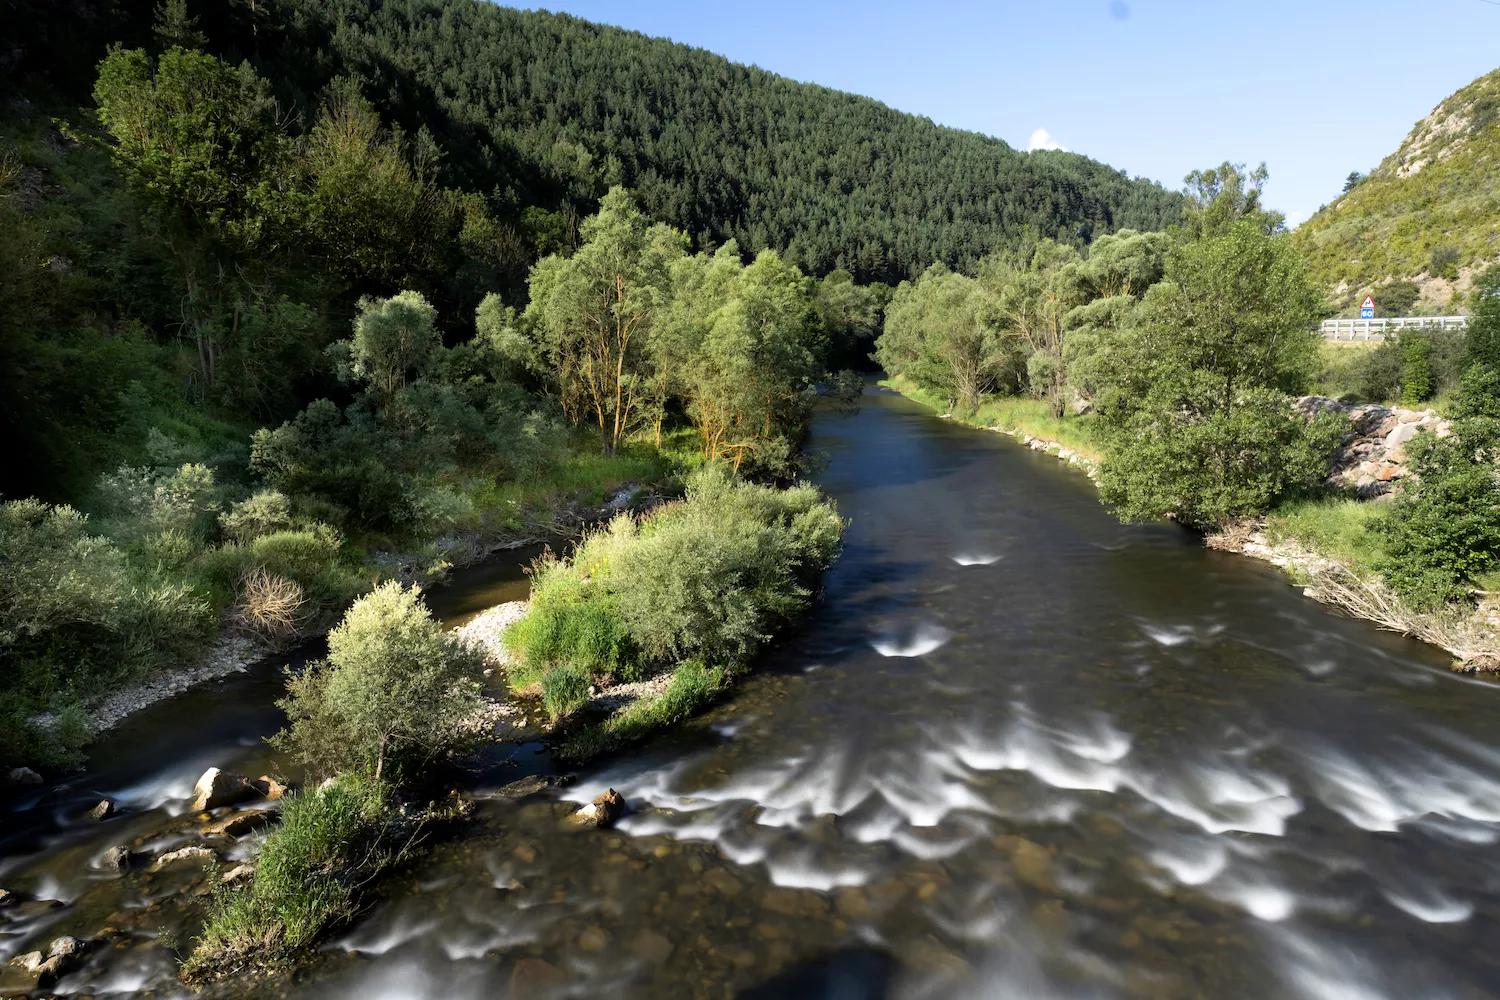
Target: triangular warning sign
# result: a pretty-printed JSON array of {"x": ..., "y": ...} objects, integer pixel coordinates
[{"x": 1368, "y": 303}]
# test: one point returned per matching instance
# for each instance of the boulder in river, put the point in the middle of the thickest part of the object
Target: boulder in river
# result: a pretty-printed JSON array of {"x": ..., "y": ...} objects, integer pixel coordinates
[
  {"x": 22, "y": 776},
  {"x": 528, "y": 786},
  {"x": 118, "y": 858},
  {"x": 104, "y": 810},
  {"x": 35, "y": 971},
  {"x": 200, "y": 854},
  {"x": 240, "y": 823},
  {"x": 268, "y": 786},
  {"x": 31, "y": 971},
  {"x": 602, "y": 812},
  {"x": 219, "y": 788},
  {"x": 534, "y": 977}
]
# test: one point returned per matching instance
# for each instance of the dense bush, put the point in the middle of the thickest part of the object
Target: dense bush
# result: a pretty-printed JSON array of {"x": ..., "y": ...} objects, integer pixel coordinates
[
  {"x": 710, "y": 577},
  {"x": 1444, "y": 527},
  {"x": 1416, "y": 370},
  {"x": 77, "y": 616},
  {"x": 395, "y": 691},
  {"x": 1205, "y": 465}
]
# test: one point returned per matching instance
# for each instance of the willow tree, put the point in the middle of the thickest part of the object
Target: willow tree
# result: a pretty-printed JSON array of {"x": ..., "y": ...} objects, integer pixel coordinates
[
  {"x": 594, "y": 313},
  {"x": 749, "y": 384},
  {"x": 938, "y": 333},
  {"x": 1033, "y": 294},
  {"x": 392, "y": 339}
]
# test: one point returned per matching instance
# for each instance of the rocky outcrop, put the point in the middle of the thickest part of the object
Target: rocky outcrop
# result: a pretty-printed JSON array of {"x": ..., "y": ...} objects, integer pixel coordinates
[
  {"x": 1372, "y": 458},
  {"x": 22, "y": 776},
  {"x": 104, "y": 810}
]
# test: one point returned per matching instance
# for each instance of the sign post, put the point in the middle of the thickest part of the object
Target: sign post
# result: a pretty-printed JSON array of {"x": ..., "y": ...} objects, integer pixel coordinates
[{"x": 1367, "y": 308}]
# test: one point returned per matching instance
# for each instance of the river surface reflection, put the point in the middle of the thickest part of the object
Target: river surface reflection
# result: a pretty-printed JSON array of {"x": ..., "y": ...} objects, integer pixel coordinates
[{"x": 1018, "y": 750}]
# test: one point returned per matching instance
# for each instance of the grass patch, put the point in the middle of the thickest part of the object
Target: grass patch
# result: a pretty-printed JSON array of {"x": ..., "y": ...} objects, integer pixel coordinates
[
  {"x": 692, "y": 689},
  {"x": 1014, "y": 413},
  {"x": 330, "y": 841},
  {"x": 1335, "y": 527},
  {"x": 586, "y": 474}
]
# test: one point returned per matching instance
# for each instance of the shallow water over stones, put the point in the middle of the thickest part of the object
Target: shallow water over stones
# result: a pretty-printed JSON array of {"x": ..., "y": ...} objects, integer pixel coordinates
[{"x": 1018, "y": 750}]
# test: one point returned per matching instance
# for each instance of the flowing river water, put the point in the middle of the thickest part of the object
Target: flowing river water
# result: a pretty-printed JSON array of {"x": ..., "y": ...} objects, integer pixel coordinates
[{"x": 1017, "y": 750}]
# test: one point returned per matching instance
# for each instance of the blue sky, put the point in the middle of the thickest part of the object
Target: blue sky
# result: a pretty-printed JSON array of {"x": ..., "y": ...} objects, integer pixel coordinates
[{"x": 1315, "y": 88}]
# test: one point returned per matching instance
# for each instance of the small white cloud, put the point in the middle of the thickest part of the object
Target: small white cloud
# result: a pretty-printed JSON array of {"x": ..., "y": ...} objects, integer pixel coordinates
[
  {"x": 1042, "y": 139},
  {"x": 1295, "y": 219}
]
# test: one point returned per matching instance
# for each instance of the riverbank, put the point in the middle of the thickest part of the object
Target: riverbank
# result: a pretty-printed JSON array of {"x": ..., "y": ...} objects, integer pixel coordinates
[
  {"x": 1320, "y": 544},
  {"x": 555, "y": 507}
]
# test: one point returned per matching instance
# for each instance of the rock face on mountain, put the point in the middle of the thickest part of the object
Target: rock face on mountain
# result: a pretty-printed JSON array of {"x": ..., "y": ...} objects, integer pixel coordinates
[
  {"x": 1373, "y": 455},
  {"x": 1426, "y": 214}
]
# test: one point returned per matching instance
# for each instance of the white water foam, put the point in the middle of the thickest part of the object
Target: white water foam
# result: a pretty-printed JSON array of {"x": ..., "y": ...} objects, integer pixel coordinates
[
  {"x": 1191, "y": 861},
  {"x": 923, "y": 640},
  {"x": 1262, "y": 901},
  {"x": 1316, "y": 970},
  {"x": 976, "y": 559},
  {"x": 1177, "y": 635},
  {"x": 1426, "y": 903},
  {"x": 1381, "y": 794}
]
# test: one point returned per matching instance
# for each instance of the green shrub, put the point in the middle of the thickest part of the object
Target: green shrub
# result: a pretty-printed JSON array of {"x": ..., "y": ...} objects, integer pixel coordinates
[
  {"x": 584, "y": 630},
  {"x": 311, "y": 557},
  {"x": 692, "y": 689},
  {"x": 1208, "y": 467},
  {"x": 714, "y": 576},
  {"x": 1416, "y": 370},
  {"x": 710, "y": 577},
  {"x": 77, "y": 618},
  {"x": 395, "y": 691},
  {"x": 1444, "y": 261},
  {"x": 140, "y": 501},
  {"x": 265, "y": 512},
  {"x": 306, "y": 877},
  {"x": 1443, "y": 530},
  {"x": 565, "y": 689}
]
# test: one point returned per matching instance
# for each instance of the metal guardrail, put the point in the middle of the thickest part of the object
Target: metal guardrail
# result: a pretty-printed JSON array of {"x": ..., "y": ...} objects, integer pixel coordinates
[{"x": 1376, "y": 329}]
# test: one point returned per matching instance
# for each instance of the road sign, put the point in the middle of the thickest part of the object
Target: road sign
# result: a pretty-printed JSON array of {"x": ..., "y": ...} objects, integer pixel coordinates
[{"x": 1367, "y": 308}]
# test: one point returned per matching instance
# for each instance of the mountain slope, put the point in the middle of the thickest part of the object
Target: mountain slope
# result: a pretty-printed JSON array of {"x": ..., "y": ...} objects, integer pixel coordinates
[
  {"x": 1430, "y": 212},
  {"x": 544, "y": 108}
]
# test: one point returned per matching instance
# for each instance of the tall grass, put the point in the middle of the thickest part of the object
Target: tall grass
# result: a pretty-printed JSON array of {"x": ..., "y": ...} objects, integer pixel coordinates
[
  {"x": 306, "y": 878},
  {"x": 1335, "y": 527}
]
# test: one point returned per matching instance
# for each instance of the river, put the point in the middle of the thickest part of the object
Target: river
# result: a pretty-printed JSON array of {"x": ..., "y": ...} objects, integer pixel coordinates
[{"x": 1017, "y": 750}]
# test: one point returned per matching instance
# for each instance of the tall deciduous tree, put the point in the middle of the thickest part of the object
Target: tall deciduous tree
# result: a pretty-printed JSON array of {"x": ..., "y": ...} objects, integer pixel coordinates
[
  {"x": 392, "y": 339},
  {"x": 1203, "y": 426},
  {"x": 938, "y": 330},
  {"x": 1033, "y": 293},
  {"x": 595, "y": 312}
]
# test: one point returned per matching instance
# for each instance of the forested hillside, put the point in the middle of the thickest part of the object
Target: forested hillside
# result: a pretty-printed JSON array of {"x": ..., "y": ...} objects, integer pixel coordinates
[
  {"x": 536, "y": 109},
  {"x": 1428, "y": 217}
]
